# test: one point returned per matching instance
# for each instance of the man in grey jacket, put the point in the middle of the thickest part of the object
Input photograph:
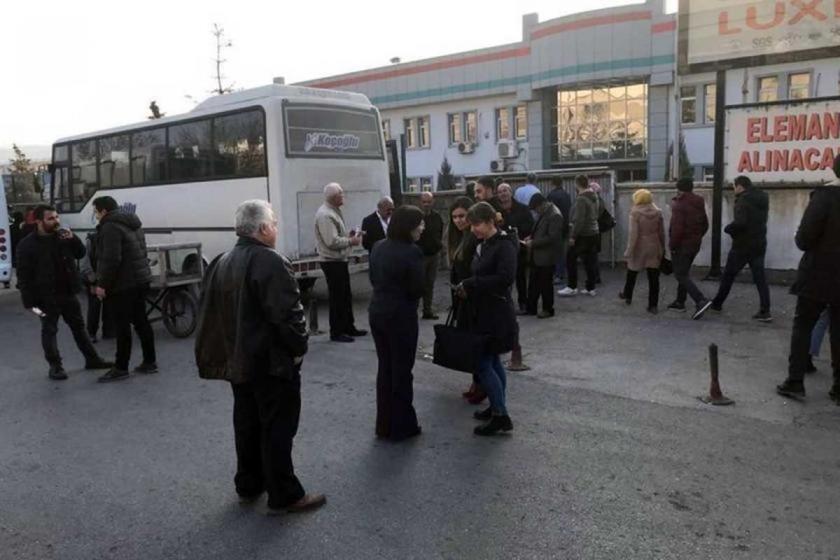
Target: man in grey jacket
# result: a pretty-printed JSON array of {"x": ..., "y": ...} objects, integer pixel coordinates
[
  {"x": 545, "y": 246},
  {"x": 334, "y": 244},
  {"x": 584, "y": 239}
]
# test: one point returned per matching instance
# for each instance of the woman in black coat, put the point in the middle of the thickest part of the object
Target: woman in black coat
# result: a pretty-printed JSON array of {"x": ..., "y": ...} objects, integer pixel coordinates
[
  {"x": 487, "y": 292},
  {"x": 396, "y": 273}
]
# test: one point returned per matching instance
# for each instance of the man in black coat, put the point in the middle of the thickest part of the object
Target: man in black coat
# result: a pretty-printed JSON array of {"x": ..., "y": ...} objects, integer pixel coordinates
[
  {"x": 375, "y": 226},
  {"x": 817, "y": 285},
  {"x": 563, "y": 201},
  {"x": 252, "y": 333},
  {"x": 517, "y": 216},
  {"x": 431, "y": 242},
  {"x": 48, "y": 280},
  {"x": 123, "y": 277},
  {"x": 749, "y": 244}
]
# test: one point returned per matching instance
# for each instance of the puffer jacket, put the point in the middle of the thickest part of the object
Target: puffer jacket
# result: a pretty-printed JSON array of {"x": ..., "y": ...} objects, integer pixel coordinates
[
  {"x": 40, "y": 260},
  {"x": 749, "y": 227},
  {"x": 251, "y": 321},
  {"x": 689, "y": 222},
  {"x": 121, "y": 260},
  {"x": 818, "y": 277},
  {"x": 646, "y": 240}
]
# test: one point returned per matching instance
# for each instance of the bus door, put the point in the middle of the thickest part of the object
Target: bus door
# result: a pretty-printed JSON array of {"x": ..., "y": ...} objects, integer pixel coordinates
[{"x": 392, "y": 152}]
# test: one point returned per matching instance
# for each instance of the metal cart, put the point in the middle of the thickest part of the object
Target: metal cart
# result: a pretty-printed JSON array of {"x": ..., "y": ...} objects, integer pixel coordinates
[{"x": 177, "y": 272}]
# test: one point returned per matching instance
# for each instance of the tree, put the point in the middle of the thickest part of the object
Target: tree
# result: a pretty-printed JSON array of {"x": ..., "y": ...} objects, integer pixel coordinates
[
  {"x": 446, "y": 180},
  {"x": 686, "y": 169},
  {"x": 24, "y": 185},
  {"x": 221, "y": 43}
]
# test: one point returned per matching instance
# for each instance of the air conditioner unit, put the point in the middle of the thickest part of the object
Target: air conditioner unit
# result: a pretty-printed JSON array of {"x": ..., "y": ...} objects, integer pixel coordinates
[
  {"x": 466, "y": 147},
  {"x": 497, "y": 165},
  {"x": 507, "y": 149}
]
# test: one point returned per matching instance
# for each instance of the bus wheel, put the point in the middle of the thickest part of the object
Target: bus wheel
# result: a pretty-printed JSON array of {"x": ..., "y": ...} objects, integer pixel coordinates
[{"x": 179, "y": 313}]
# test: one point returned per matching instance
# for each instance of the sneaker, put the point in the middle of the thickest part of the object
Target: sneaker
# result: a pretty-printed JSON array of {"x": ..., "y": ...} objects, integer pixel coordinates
[
  {"x": 483, "y": 415},
  {"x": 763, "y": 316},
  {"x": 146, "y": 368},
  {"x": 342, "y": 338},
  {"x": 360, "y": 332},
  {"x": 716, "y": 307},
  {"x": 495, "y": 425},
  {"x": 702, "y": 307},
  {"x": 98, "y": 363},
  {"x": 792, "y": 389},
  {"x": 113, "y": 374},
  {"x": 57, "y": 373},
  {"x": 567, "y": 292},
  {"x": 591, "y": 292},
  {"x": 810, "y": 367},
  {"x": 677, "y": 306}
]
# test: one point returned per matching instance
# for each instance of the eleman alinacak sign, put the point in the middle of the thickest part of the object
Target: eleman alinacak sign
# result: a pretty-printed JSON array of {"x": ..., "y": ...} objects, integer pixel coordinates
[{"x": 791, "y": 142}]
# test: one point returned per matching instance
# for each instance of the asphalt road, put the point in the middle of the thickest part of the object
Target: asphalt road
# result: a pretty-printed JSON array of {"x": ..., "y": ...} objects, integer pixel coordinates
[{"x": 612, "y": 456}]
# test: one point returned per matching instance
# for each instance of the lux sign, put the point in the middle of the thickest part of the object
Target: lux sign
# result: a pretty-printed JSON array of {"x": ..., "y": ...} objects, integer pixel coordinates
[{"x": 727, "y": 29}]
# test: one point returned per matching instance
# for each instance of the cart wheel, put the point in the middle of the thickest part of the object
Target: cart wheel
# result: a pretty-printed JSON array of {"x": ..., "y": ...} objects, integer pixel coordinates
[{"x": 179, "y": 313}]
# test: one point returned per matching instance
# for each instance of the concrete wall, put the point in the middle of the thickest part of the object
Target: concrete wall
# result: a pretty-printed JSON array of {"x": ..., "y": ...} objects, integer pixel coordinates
[{"x": 786, "y": 208}]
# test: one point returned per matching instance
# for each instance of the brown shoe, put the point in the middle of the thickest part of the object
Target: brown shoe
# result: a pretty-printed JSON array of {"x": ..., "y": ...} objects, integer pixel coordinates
[{"x": 309, "y": 502}]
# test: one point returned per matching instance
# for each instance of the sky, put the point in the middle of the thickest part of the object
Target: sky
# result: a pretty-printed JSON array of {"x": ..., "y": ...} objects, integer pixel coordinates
[{"x": 86, "y": 65}]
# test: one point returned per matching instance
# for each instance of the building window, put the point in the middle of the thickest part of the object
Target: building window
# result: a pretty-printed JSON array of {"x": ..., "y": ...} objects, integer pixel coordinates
[
  {"x": 386, "y": 129},
  {"x": 520, "y": 122},
  {"x": 708, "y": 174},
  {"x": 410, "y": 134},
  {"x": 423, "y": 138},
  {"x": 688, "y": 105},
  {"x": 471, "y": 127},
  {"x": 608, "y": 123},
  {"x": 768, "y": 88},
  {"x": 418, "y": 184},
  {"x": 502, "y": 124},
  {"x": 799, "y": 85},
  {"x": 456, "y": 132},
  {"x": 710, "y": 103}
]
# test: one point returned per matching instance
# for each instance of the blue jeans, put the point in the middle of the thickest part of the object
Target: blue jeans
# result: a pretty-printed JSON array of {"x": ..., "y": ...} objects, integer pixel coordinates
[
  {"x": 493, "y": 379},
  {"x": 818, "y": 333}
]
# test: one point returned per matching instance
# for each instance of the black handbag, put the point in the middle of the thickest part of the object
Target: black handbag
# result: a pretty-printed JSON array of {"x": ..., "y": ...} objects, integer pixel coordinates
[
  {"x": 457, "y": 349},
  {"x": 605, "y": 220},
  {"x": 666, "y": 267}
]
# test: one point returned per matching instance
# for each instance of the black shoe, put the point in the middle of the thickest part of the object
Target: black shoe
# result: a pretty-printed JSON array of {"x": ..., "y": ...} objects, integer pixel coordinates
[
  {"x": 792, "y": 389},
  {"x": 834, "y": 394},
  {"x": 545, "y": 314},
  {"x": 357, "y": 332},
  {"x": 524, "y": 312},
  {"x": 342, "y": 338},
  {"x": 495, "y": 425},
  {"x": 702, "y": 307},
  {"x": 98, "y": 363},
  {"x": 653, "y": 310},
  {"x": 627, "y": 300},
  {"x": 810, "y": 367},
  {"x": 146, "y": 368},
  {"x": 93, "y": 338},
  {"x": 57, "y": 373},
  {"x": 763, "y": 316},
  {"x": 432, "y": 316},
  {"x": 483, "y": 415},
  {"x": 716, "y": 307},
  {"x": 113, "y": 374},
  {"x": 250, "y": 498},
  {"x": 677, "y": 306}
]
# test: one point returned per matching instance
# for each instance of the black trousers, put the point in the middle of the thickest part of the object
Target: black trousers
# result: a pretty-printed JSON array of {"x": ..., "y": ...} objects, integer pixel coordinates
[
  {"x": 266, "y": 412},
  {"x": 395, "y": 335},
  {"x": 682, "y": 261},
  {"x": 653, "y": 286},
  {"x": 129, "y": 308},
  {"x": 807, "y": 313},
  {"x": 586, "y": 249},
  {"x": 541, "y": 286},
  {"x": 735, "y": 262},
  {"x": 522, "y": 278},
  {"x": 68, "y": 308},
  {"x": 96, "y": 310},
  {"x": 341, "y": 298},
  {"x": 431, "y": 263}
]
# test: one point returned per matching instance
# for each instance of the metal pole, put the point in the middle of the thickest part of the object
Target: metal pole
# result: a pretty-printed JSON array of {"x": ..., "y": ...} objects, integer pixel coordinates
[{"x": 717, "y": 193}]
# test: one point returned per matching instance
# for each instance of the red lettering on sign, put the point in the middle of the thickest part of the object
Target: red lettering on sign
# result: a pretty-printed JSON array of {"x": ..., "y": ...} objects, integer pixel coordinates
[
  {"x": 756, "y": 163},
  {"x": 811, "y": 162},
  {"x": 778, "y": 17},
  {"x": 814, "y": 128},
  {"x": 765, "y": 136},
  {"x": 796, "y": 161},
  {"x": 780, "y": 160},
  {"x": 723, "y": 25},
  {"x": 780, "y": 128},
  {"x": 798, "y": 125},
  {"x": 831, "y": 125},
  {"x": 753, "y": 128},
  {"x": 744, "y": 164},
  {"x": 807, "y": 9},
  {"x": 827, "y": 159}
]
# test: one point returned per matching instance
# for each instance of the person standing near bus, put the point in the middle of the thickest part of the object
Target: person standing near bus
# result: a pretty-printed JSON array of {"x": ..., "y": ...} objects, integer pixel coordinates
[
  {"x": 334, "y": 244},
  {"x": 431, "y": 243},
  {"x": 48, "y": 280},
  {"x": 123, "y": 277}
]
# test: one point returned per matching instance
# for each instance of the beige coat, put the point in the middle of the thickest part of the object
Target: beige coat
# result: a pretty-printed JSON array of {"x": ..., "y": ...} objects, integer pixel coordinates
[
  {"x": 646, "y": 242},
  {"x": 331, "y": 239}
]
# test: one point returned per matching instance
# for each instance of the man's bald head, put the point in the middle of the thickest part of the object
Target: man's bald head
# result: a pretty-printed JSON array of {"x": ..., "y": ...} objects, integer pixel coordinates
[{"x": 427, "y": 201}]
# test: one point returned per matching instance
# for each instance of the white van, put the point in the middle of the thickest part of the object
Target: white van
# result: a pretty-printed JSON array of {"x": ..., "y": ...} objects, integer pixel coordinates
[{"x": 5, "y": 239}]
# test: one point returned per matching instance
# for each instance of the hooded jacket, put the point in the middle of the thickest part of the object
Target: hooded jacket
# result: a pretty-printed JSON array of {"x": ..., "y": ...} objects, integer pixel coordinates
[
  {"x": 547, "y": 243},
  {"x": 689, "y": 222},
  {"x": 121, "y": 260},
  {"x": 749, "y": 227},
  {"x": 585, "y": 221},
  {"x": 818, "y": 277},
  {"x": 646, "y": 240}
]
